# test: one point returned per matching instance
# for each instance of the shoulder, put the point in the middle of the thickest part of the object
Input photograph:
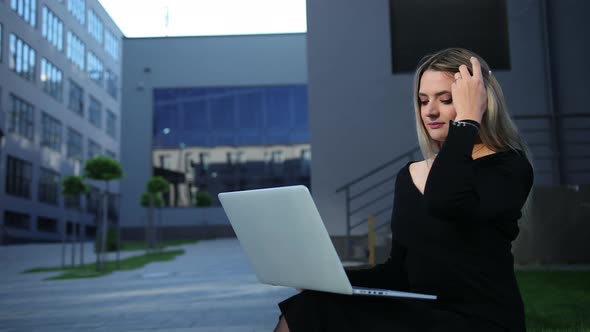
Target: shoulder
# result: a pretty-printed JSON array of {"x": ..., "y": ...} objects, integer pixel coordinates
[{"x": 514, "y": 163}]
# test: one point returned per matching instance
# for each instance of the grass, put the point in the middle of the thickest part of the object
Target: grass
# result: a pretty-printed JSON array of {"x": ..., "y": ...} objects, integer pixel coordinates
[
  {"x": 89, "y": 270},
  {"x": 140, "y": 245},
  {"x": 556, "y": 300}
]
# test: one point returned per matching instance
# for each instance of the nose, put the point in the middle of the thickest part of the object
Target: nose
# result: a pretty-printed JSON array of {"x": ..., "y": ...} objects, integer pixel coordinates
[{"x": 431, "y": 111}]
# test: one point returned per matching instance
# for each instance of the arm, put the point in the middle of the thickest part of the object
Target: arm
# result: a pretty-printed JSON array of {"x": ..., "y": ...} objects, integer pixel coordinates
[
  {"x": 454, "y": 193},
  {"x": 389, "y": 275}
]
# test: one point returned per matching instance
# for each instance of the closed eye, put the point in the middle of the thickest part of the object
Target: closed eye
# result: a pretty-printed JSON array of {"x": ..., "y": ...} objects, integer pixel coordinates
[
  {"x": 423, "y": 102},
  {"x": 447, "y": 101}
]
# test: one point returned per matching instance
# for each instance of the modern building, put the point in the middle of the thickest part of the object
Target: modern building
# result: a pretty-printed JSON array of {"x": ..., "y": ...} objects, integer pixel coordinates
[{"x": 60, "y": 102}]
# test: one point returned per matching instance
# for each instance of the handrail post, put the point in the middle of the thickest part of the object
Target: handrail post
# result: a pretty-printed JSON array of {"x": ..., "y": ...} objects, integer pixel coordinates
[
  {"x": 347, "y": 243},
  {"x": 371, "y": 241}
]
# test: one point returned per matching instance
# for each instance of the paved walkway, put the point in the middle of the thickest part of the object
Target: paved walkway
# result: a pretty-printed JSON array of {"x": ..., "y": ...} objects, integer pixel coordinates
[{"x": 209, "y": 288}]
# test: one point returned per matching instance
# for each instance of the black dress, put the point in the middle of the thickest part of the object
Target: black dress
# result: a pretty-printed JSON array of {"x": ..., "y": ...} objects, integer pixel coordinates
[{"x": 453, "y": 241}]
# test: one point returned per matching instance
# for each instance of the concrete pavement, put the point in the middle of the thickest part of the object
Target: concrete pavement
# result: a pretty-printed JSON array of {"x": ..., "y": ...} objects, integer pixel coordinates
[{"x": 209, "y": 288}]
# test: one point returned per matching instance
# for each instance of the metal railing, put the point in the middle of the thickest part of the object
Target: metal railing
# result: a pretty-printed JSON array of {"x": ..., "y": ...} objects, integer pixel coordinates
[
  {"x": 365, "y": 194},
  {"x": 548, "y": 136}
]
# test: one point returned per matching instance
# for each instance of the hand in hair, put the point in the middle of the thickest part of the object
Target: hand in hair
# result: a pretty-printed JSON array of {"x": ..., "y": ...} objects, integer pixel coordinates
[{"x": 469, "y": 92}]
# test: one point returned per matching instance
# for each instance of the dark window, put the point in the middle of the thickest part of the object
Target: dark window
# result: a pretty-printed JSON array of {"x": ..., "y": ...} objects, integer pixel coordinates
[
  {"x": 48, "y": 186},
  {"x": 17, "y": 220},
  {"x": 94, "y": 149},
  {"x": 51, "y": 132},
  {"x": 95, "y": 68},
  {"x": 76, "y": 101},
  {"x": 112, "y": 83},
  {"x": 75, "y": 150},
  {"x": 21, "y": 118},
  {"x": 18, "y": 177},
  {"x": 111, "y": 128},
  {"x": 47, "y": 225},
  {"x": 93, "y": 200},
  {"x": 95, "y": 112},
  {"x": 72, "y": 202}
]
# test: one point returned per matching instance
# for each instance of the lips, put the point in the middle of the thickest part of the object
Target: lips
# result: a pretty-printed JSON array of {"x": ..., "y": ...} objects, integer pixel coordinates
[{"x": 435, "y": 125}]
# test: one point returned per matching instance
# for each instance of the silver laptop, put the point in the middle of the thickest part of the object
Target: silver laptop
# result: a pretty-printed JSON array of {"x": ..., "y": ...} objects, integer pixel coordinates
[{"x": 282, "y": 233}]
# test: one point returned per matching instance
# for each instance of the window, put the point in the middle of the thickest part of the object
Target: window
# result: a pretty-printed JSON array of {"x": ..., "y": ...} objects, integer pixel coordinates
[
  {"x": 48, "y": 186},
  {"x": 18, "y": 177},
  {"x": 95, "y": 26},
  {"x": 95, "y": 112},
  {"x": 110, "y": 154},
  {"x": 52, "y": 79},
  {"x": 92, "y": 200},
  {"x": 95, "y": 68},
  {"x": 17, "y": 220},
  {"x": 111, "y": 44},
  {"x": 52, "y": 29},
  {"x": 51, "y": 132},
  {"x": 94, "y": 149},
  {"x": 26, "y": 9},
  {"x": 47, "y": 225},
  {"x": 76, "y": 50},
  {"x": 72, "y": 202},
  {"x": 21, "y": 117},
  {"x": 74, "y": 150},
  {"x": 76, "y": 101},
  {"x": 1, "y": 43},
  {"x": 78, "y": 9},
  {"x": 112, "y": 83},
  {"x": 22, "y": 58},
  {"x": 111, "y": 124}
]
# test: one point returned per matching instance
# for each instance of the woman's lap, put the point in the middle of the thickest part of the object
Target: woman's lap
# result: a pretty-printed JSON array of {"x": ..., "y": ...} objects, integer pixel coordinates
[{"x": 317, "y": 311}]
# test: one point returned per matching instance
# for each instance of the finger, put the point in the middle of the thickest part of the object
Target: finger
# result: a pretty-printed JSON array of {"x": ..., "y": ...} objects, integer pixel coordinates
[
  {"x": 464, "y": 72},
  {"x": 476, "y": 67},
  {"x": 457, "y": 76}
]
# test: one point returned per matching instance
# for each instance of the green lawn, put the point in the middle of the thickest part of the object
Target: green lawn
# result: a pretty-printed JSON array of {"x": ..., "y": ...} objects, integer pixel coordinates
[
  {"x": 89, "y": 270},
  {"x": 556, "y": 300},
  {"x": 140, "y": 245}
]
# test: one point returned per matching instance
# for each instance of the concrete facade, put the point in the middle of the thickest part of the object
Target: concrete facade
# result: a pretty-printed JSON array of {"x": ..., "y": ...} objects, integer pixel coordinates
[
  {"x": 31, "y": 24},
  {"x": 361, "y": 116}
]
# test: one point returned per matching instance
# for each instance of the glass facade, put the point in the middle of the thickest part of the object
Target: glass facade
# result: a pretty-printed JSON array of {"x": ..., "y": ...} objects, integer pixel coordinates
[
  {"x": 21, "y": 118},
  {"x": 22, "y": 58},
  {"x": 51, "y": 134},
  {"x": 19, "y": 174},
  {"x": 52, "y": 79},
  {"x": 76, "y": 98},
  {"x": 230, "y": 138},
  {"x": 52, "y": 28},
  {"x": 26, "y": 9},
  {"x": 76, "y": 50},
  {"x": 48, "y": 186}
]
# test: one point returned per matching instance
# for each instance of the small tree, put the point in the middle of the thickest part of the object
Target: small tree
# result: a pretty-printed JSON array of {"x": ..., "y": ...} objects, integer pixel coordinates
[
  {"x": 156, "y": 186},
  {"x": 74, "y": 186},
  {"x": 203, "y": 199},
  {"x": 105, "y": 169}
]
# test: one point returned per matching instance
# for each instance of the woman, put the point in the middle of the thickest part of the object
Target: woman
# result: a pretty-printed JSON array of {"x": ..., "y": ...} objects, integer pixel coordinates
[{"x": 455, "y": 215}]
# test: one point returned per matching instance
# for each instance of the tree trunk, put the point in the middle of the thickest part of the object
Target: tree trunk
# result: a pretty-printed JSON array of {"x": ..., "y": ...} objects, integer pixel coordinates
[
  {"x": 63, "y": 247},
  {"x": 74, "y": 240},
  {"x": 104, "y": 227},
  {"x": 82, "y": 237}
]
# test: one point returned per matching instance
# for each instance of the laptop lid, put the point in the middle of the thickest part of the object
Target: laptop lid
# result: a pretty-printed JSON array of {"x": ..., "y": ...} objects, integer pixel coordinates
[{"x": 284, "y": 238}]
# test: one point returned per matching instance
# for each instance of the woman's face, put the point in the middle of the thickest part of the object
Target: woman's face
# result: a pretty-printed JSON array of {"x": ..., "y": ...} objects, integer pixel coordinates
[{"x": 436, "y": 103}]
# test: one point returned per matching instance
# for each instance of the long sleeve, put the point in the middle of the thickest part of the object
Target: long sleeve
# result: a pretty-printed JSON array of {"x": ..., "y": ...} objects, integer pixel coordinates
[
  {"x": 389, "y": 275},
  {"x": 454, "y": 193}
]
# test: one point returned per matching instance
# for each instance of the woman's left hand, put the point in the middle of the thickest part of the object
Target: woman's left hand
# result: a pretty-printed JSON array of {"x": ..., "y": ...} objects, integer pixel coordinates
[{"x": 469, "y": 93}]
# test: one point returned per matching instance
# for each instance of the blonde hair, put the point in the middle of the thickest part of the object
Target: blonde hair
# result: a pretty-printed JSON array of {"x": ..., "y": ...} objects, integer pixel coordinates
[{"x": 498, "y": 132}]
